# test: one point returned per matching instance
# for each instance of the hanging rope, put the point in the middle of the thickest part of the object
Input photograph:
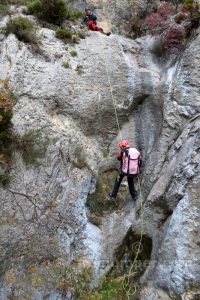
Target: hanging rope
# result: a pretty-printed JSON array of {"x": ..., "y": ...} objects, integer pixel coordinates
[
  {"x": 130, "y": 288},
  {"x": 113, "y": 99}
]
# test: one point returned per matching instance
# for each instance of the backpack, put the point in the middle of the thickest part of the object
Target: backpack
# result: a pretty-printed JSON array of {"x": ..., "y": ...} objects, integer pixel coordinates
[{"x": 130, "y": 162}]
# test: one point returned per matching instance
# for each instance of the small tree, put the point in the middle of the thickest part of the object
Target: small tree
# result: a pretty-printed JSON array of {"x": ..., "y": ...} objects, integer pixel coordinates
[
  {"x": 154, "y": 23},
  {"x": 166, "y": 9},
  {"x": 173, "y": 37},
  {"x": 6, "y": 114},
  {"x": 172, "y": 25},
  {"x": 53, "y": 11},
  {"x": 5, "y": 111},
  {"x": 64, "y": 34},
  {"x": 189, "y": 5},
  {"x": 191, "y": 9}
]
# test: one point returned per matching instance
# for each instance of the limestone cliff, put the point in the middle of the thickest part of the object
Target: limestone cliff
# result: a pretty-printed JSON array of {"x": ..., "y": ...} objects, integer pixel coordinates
[{"x": 44, "y": 218}]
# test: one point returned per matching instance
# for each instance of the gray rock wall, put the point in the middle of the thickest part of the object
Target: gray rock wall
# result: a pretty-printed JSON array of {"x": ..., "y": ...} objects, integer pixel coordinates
[{"x": 43, "y": 212}]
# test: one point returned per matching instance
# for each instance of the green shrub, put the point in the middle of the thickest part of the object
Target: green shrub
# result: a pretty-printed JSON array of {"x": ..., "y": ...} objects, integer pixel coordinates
[
  {"x": 66, "y": 65},
  {"x": 81, "y": 34},
  {"x": 5, "y": 180},
  {"x": 75, "y": 39},
  {"x": 6, "y": 114},
  {"x": 110, "y": 288},
  {"x": 179, "y": 17},
  {"x": 64, "y": 34},
  {"x": 57, "y": 276},
  {"x": 34, "y": 7},
  {"x": 98, "y": 205},
  {"x": 80, "y": 160},
  {"x": 12, "y": 97},
  {"x": 4, "y": 8},
  {"x": 79, "y": 69},
  {"x": 100, "y": 202},
  {"x": 75, "y": 14},
  {"x": 73, "y": 53},
  {"x": 192, "y": 7},
  {"x": 53, "y": 11},
  {"x": 32, "y": 146},
  {"x": 23, "y": 28},
  {"x": 67, "y": 35},
  {"x": 81, "y": 283},
  {"x": 190, "y": 4}
]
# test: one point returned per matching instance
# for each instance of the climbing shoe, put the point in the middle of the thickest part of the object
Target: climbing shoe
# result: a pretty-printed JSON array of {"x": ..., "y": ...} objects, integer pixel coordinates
[
  {"x": 106, "y": 33},
  {"x": 135, "y": 195}
]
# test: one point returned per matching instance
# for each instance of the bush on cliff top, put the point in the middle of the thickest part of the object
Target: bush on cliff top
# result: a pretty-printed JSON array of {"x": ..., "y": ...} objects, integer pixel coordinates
[
  {"x": 23, "y": 28},
  {"x": 53, "y": 11},
  {"x": 64, "y": 34}
]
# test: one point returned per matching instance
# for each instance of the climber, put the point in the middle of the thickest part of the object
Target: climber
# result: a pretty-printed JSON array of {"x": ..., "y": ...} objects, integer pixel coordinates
[
  {"x": 130, "y": 161},
  {"x": 90, "y": 20}
]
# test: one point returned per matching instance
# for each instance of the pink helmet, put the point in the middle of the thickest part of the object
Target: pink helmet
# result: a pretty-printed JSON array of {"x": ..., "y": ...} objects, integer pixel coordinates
[{"x": 123, "y": 144}]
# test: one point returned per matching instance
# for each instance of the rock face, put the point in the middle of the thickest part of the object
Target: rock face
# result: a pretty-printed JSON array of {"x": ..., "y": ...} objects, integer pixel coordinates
[
  {"x": 117, "y": 16},
  {"x": 175, "y": 186},
  {"x": 43, "y": 213},
  {"x": 120, "y": 16}
]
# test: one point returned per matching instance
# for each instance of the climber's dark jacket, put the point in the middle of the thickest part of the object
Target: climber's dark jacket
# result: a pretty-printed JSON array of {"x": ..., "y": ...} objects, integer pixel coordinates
[
  {"x": 90, "y": 17},
  {"x": 91, "y": 21}
]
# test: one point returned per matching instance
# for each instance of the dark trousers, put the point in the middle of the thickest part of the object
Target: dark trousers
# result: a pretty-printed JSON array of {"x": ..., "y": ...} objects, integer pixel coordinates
[{"x": 118, "y": 183}]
